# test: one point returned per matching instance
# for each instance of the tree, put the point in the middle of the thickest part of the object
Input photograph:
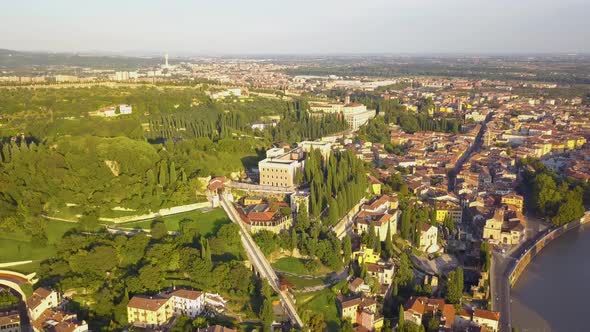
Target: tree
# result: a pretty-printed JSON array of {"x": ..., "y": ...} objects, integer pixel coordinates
[
  {"x": 406, "y": 225},
  {"x": 172, "y": 174},
  {"x": 332, "y": 212},
  {"x": 163, "y": 174},
  {"x": 401, "y": 318},
  {"x": 405, "y": 274},
  {"x": 455, "y": 286},
  {"x": 388, "y": 247},
  {"x": 200, "y": 322},
  {"x": 89, "y": 221},
  {"x": 571, "y": 209},
  {"x": 205, "y": 250},
  {"x": 183, "y": 324},
  {"x": 371, "y": 238},
  {"x": 317, "y": 322},
  {"x": 417, "y": 232},
  {"x": 433, "y": 324},
  {"x": 158, "y": 229},
  {"x": 151, "y": 278},
  {"x": 303, "y": 221},
  {"x": 266, "y": 314},
  {"x": 346, "y": 326},
  {"x": 485, "y": 257},
  {"x": 347, "y": 249},
  {"x": 298, "y": 177},
  {"x": 449, "y": 223}
]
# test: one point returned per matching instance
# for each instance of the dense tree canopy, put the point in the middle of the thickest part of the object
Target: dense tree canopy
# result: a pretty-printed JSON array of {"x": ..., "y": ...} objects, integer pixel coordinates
[{"x": 548, "y": 195}]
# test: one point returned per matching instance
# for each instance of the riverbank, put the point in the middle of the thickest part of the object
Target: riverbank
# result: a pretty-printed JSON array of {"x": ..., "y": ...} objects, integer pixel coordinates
[
  {"x": 561, "y": 273},
  {"x": 507, "y": 270}
]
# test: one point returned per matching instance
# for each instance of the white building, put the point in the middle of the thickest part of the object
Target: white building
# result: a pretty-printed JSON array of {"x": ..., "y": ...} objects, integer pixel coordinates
[
  {"x": 357, "y": 115},
  {"x": 9, "y": 322},
  {"x": 41, "y": 300},
  {"x": 428, "y": 238},
  {"x": 324, "y": 147},
  {"x": 235, "y": 92},
  {"x": 188, "y": 302},
  {"x": 125, "y": 109},
  {"x": 489, "y": 319},
  {"x": 279, "y": 167},
  {"x": 121, "y": 76}
]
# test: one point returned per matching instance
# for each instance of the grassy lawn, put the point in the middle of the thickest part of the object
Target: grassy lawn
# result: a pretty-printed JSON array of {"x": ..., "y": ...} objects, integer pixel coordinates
[
  {"x": 208, "y": 221},
  {"x": 301, "y": 283},
  {"x": 297, "y": 266},
  {"x": 323, "y": 302},
  {"x": 25, "y": 268},
  {"x": 18, "y": 247}
]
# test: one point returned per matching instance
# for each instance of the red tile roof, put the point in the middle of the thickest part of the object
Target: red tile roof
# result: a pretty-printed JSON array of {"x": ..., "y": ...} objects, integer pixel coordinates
[
  {"x": 187, "y": 294},
  {"x": 486, "y": 314},
  {"x": 145, "y": 303}
]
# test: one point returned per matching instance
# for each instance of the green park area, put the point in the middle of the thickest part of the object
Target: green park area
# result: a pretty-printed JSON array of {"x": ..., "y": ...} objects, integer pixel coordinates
[
  {"x": 18, "y": 246},
  {"x": 207, "y": 222},
  {"x": 300, "y": 282},
  {"x": 323, "y": 303}
]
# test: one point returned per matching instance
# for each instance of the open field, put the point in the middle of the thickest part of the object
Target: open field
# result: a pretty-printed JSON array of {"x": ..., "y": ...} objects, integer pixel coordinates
[
  {"x": 208, "y": 221},
  {"x": 17, "y": 246},
  {"x": 322, "y": 302},
  {"x": 301, "y": 283},
  {"x": 296, "y": 266}
]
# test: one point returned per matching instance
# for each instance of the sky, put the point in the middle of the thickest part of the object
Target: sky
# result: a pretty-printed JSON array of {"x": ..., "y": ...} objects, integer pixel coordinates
[{"x": 218, "y": 27}]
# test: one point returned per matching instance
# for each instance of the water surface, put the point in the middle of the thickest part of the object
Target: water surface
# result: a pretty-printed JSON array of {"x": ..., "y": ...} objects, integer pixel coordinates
[{"x": 553, "y": 293}]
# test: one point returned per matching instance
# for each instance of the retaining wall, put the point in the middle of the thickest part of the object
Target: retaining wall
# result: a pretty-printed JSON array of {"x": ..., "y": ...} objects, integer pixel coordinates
[{"x": 535, "y": 248}]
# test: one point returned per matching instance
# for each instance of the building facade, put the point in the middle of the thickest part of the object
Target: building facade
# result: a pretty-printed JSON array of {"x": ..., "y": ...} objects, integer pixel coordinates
[
  {"x": 279, "y": 170},
  {"x": 149, "y": 311},
  {"x": 41, "y": 300}
]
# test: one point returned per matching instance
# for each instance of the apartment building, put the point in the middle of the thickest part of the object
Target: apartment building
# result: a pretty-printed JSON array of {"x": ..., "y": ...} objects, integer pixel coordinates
[
  {"x": 149, "y": 311},
  {"x": 41, "y": 300},
  {"x": 279, "y": 169},
  {"x": 10, "y": 322},
  {"x": 448, "y": 209},
  {"x": 514, "y": 200},
  {"x": 357, "y": 115},
  {"x": 188, "y": 302},
  {"x": 354, "y": 114}
]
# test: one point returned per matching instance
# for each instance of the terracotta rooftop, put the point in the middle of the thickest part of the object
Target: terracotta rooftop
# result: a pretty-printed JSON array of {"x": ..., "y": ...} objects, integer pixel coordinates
[
  {"x": 486, "y": 314},
  {"x": 216, "y": 328},
  {"x": 187, "y": 294},
  {"x": 146, "y": 303},
  {"x": 38, "y": 296},
  {"x": 10, "y": 318}
]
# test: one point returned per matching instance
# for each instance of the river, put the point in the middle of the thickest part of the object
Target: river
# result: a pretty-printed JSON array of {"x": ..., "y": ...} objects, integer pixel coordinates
[{"x": 553, "y": 293}]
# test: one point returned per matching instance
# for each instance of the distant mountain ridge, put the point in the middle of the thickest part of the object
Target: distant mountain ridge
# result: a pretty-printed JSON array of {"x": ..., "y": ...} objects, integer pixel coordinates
[{"x": 26, "y": 61}]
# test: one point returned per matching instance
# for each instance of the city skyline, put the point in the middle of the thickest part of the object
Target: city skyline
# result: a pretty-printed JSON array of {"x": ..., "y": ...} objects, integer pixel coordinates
[{"x": 330, "y": 27}]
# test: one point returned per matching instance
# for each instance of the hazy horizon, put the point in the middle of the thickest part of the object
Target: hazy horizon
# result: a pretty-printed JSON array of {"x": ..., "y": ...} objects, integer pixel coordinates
[{"x": 329, "y": 27}]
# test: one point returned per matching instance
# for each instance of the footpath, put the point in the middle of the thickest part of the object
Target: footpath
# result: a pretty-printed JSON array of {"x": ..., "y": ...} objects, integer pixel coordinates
[{"x": 160, "y": 213}]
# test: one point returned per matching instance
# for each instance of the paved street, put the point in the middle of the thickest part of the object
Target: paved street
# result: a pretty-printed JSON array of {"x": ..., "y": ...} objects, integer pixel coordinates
[{"x": 503, "y": 259}]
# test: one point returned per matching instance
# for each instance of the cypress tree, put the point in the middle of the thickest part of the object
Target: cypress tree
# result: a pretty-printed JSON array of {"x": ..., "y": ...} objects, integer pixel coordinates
[
  {"x": 162, "y": 175},
  {"x": 388, "y": 243},
  {"x": 400, "y": 322},
  {"x": 172, "y": 173},
  {"x": 347, "y": 249}
]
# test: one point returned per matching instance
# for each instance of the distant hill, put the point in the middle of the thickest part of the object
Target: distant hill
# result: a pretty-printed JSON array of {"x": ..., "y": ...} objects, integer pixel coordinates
[{"x": 20, "y": 61}]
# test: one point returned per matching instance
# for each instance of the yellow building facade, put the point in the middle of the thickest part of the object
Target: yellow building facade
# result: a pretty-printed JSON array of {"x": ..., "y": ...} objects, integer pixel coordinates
[{"x": 149, "y": 312}]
